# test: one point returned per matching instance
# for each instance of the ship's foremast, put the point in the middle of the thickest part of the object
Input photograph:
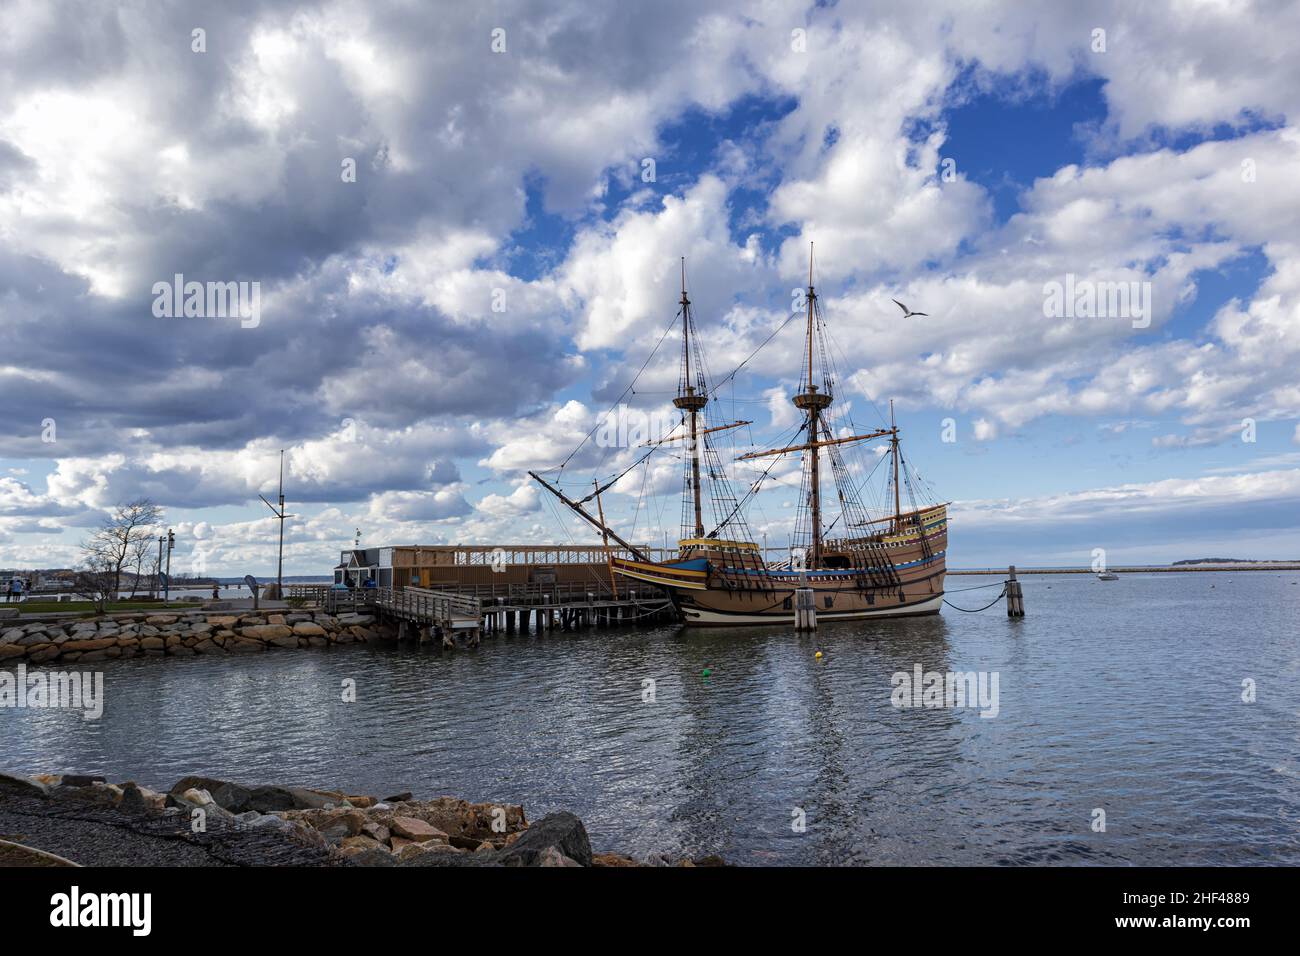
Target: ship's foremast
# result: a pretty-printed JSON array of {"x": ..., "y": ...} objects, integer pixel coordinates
[
  {"x": 692, "y": 399},
  {"x": 813, "y": 402}
]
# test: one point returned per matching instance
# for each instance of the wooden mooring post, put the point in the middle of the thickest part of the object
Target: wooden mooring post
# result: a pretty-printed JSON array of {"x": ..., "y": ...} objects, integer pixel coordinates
[
  {"x": 1015, "y": 596},
  {"x": 805, "y": 610}
]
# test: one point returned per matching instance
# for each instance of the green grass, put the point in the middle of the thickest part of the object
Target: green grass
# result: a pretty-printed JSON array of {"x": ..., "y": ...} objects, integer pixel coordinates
[{"x": 48, "y": 607}]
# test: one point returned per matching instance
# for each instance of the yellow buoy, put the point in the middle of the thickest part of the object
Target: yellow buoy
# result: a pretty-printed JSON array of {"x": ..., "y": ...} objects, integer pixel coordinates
[{"x": 819, "y": 655}]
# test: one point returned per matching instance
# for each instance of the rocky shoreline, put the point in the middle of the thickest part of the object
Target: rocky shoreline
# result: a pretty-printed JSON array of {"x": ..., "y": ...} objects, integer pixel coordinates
[
  {"x": 183, "y": 634},
  {"x": 234, "y": 824}
]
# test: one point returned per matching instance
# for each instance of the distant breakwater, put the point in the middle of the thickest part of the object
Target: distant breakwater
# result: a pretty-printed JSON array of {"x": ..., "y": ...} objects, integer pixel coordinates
[
  {"x": 1139, "y": 569},
  {"x": 183, "y": 634}
]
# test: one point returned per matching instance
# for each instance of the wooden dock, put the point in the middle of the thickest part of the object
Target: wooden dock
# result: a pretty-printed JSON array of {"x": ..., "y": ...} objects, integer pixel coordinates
[{"x": 427, "y": 614}]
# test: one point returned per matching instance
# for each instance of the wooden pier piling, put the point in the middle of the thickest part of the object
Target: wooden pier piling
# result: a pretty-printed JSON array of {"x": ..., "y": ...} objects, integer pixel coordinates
[
  {"x": 805, "y": 610},
  {"x": 1015, "y": 596}
]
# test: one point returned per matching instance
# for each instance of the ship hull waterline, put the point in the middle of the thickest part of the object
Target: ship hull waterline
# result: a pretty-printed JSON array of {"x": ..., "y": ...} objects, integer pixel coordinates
[
  {"x": 704, "y": 617},
  {"x": 898, "y": 575}
]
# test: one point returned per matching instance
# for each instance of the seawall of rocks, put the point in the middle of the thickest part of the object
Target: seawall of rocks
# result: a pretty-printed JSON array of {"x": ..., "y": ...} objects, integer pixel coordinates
[
  {"x": 183, "y": 634},
  {"x": 313, "y": 827}
]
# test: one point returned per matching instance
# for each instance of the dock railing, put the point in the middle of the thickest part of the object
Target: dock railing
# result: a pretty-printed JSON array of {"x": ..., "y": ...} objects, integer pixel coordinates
[
  {"x": 453, "y": 604},
  {"x": 314, "y": 594},
  {"x": 416, "y": 604}
]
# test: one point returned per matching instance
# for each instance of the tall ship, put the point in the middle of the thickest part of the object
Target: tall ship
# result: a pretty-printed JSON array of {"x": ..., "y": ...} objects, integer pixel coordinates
[{"x": 859, "y": 562}]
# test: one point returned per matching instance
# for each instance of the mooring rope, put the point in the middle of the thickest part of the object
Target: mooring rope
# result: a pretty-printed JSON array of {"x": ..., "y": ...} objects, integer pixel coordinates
[{"x": 976, "y": 610}]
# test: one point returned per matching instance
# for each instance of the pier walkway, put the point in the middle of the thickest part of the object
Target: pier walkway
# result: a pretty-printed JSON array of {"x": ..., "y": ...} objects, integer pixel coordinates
[{"x": 470, "y": 612}]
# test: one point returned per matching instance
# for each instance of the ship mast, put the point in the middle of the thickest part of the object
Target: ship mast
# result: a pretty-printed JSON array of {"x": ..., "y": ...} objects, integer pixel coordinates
[
  {"x": 893, "y": 441},
  {"x": 812, "y": 401},
  {"x": 692, "y": 399},
  {"x": 691, "y": 403}
]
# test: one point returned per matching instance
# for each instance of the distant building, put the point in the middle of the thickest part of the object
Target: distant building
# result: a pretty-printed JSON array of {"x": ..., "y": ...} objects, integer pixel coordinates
[{"x": 360, "y": 567}]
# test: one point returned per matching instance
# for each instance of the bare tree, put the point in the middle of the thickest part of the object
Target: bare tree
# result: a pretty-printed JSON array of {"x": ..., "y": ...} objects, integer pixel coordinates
[
  {"x": 142, "y": 551},
  {"x": 118, "y": 541},
  {"x": 97, "y": 581}
]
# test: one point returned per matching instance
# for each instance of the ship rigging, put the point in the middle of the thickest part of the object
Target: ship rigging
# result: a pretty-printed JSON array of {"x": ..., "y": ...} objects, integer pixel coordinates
[{"x": 889, "y": 565}]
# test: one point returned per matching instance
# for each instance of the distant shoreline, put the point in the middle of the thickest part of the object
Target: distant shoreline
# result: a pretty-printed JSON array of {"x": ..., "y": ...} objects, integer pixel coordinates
[{"x": 1143, "y": 569}]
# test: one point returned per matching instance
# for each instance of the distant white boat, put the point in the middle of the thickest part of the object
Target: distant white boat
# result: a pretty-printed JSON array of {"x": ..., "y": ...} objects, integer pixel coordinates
[{"x": 1108, "y": 576}]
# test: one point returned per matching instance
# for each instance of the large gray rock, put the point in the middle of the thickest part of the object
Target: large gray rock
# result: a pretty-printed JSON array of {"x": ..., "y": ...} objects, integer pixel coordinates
[
  {"x": 232, "y": 797},
  {"x": 21, "y": 786},
  {"x": 81, "y": 780},
  {"x": 36, "y": 637},
  {"x": 99, "y": 794},
  {"x": 197, "y": 783},
  {"x": 271, "y": 799},
  {"x": 251, "y": 819},
  {"x": 132, "y": 799},
  {"x": 560, "y": 831}
]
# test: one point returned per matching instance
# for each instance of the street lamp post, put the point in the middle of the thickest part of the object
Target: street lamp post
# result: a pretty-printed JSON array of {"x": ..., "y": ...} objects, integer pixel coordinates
[
  {"x": 157, "y": 568},
  {"x": 167, "y": 582}
]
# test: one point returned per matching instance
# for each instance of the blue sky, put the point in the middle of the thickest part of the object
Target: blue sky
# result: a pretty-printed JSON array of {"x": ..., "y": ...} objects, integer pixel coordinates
[{"x": 473, "y": 302}]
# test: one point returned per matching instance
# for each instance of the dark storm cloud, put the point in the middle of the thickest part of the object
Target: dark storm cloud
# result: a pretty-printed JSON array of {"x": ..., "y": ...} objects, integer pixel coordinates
[{"x": 99, "y": 368}]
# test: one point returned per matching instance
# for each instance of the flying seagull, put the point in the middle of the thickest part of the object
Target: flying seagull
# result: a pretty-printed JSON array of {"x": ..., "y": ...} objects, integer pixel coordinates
[{"x": 907, "y": 313}]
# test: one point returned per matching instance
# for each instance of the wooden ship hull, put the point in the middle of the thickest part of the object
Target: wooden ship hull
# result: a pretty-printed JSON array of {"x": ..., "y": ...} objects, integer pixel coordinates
[{"x": 897, "y": 574}]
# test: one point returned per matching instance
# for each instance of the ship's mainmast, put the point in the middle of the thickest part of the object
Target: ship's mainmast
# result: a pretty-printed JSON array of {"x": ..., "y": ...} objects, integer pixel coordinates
[
  {"x": 893, "y": 447},
  {"x": 813, "y": 401},
  {"x": 691, "y": 403}
]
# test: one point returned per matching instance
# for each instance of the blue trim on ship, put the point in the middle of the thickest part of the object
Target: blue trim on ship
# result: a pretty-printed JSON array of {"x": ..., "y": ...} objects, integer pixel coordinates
[{"x": 787, "y": 575}]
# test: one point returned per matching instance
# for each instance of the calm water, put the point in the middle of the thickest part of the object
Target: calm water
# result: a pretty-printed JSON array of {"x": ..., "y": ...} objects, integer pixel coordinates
[{"x": 1124, "y": 696}]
